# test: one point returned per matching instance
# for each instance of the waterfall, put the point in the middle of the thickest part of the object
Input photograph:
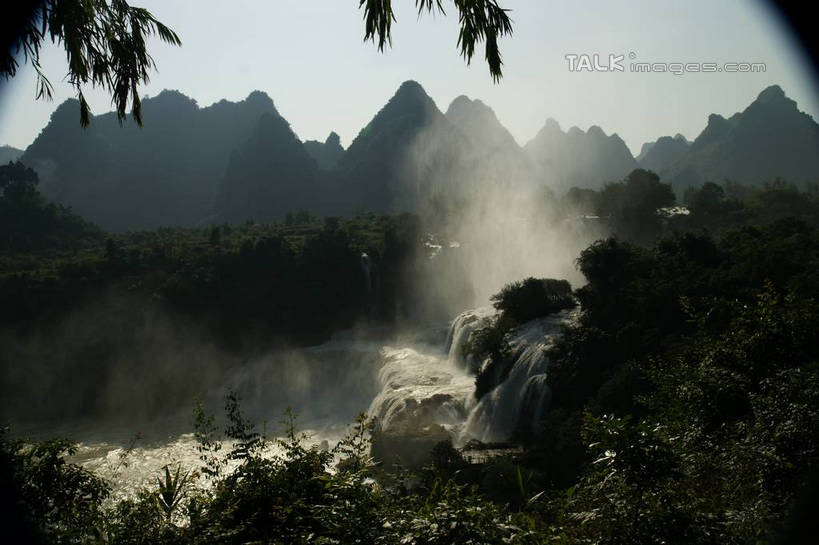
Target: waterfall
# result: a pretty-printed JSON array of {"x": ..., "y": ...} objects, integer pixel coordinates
[
  {"x": 422, "y": 396},
  {"x": 366, "y": 268},
  {"x": 458, "y": 337},
  {"x": 420, "y": 390},
  {"x": 428, "y": 389},
  {"x": 520, "y": 400}
]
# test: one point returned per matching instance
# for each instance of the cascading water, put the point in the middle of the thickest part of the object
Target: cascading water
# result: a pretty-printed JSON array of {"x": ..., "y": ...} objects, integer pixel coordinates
[
  {"x": 424, "y": 392},
  {"x": 366, "y": 269},
  {"x": 438, "y": 389},
  {"x": 419, "y": 390},
  {"x": 458, "y": 337},
  {"x": 519, "y": 401}
]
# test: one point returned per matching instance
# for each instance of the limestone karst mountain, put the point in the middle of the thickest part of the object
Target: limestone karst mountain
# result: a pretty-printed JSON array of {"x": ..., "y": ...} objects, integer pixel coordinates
[
  {"x": 579, "y": 159},
  {"x": 325, "y": 153},
  {"x": 663, "y": 153},
  {"x": 408, "y": 156},
  {"x": 501, "y": 158},
  {"x": 235, "y": 161},
  {"x": 770, "y": 139},
  {"x": 126, "y": 177},
  {"x": 268, "y": 175}
]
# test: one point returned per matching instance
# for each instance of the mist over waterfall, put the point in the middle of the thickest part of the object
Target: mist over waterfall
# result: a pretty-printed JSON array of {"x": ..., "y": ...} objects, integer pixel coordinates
[
  {"x": 399, "y": 295},
  {"x": 327, "y": 316}
]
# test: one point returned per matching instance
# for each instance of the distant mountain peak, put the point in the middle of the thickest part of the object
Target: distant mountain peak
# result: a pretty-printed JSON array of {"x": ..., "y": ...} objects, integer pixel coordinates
[
  {"x": 579, "y": 158},
  {"x": 175, "y": 97},
  {"x": 333, "y": 139},
  {"x": 167, "y": 173},
  {"x": 410, "y": 107},
  {"x": 478, "y": 122},
  {"x": 69, "y": 107},
  {"x": 552, "y": 124},
  {"x": 663, "y": 153},
  {"x": 715, "y": 119},
  {"x": 615, "y": 137},
  {"x": 411, "y": 88},
  {"x": 259, "y": 98},
  {"x": 463, "y": 104},
  {"x": 409, "y": 98},
  {"x": 325, "y": 153},
  {"x": 408, "y": 112},
  {"x": 770, "y": 138},
  {"x": 774, "y": 97},
  {"x": 464, "y": 112},
  {"x": 460, "y": 101},
  {"x": 772, "y": 93}
]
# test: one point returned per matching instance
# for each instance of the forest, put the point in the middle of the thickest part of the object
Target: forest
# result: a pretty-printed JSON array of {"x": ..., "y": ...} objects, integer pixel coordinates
[
  {"x": 433, "y": 325},
  {"x": 684, "y": 401}
]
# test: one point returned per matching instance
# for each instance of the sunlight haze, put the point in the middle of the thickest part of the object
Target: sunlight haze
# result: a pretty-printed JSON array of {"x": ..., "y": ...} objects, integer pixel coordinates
[{"x": 310, "y": 58}]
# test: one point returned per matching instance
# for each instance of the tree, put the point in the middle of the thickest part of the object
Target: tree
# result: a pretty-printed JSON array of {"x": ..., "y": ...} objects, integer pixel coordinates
[
  {"x": 29, "y": 222},
  {"x": 632, "y": 204},
  {"x": 706, "y": 199},
  {"x": 104, "y": 41},
  {"x": 17, "y": 181},
  {"x": 533, "y": 298},
  {"x": 480, "y": 20}
]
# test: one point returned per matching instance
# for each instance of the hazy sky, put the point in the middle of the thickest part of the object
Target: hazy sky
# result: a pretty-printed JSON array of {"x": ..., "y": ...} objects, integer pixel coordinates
[{"x": 309, "y": 57}]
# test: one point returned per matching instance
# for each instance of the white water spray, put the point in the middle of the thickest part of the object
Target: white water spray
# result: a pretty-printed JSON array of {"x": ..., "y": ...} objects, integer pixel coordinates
[{"x": 438, "y": 389}]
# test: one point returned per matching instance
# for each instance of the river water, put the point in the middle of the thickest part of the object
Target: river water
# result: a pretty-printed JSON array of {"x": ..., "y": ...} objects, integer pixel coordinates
[{"x": 405, "y": 383}]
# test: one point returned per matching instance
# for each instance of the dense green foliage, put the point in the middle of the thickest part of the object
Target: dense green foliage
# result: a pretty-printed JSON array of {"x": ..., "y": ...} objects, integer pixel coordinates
[
  {"x": 533, "y": 298},
  {"x": 44, "y": 498},
  {"x": 107, "y": 318},
  {"x": 684, "y": 404},
  {"x": 29, "y": 223},
  {"x": 104, "y": 42},
  {"x": 267, "y": 491},
  {"x": 480, "y": 21},
  {"x": 287, "y": 280},
  {"x": 708, "y": 441},
  {"x": 641, "y": 207},
  {"x": 683, "y": 398},
  {"x": 684, "y": 411},
  {"x": 630, "y": 209},
  {"x": 718, "y": 208}
]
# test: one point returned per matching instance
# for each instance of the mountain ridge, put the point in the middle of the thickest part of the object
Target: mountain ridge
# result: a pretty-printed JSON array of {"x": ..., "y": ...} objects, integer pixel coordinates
[{"x": 184, "y": 167}]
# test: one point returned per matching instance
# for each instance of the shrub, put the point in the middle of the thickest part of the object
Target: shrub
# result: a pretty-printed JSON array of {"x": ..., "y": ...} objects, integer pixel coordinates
[{"x": 533, "y": 298}]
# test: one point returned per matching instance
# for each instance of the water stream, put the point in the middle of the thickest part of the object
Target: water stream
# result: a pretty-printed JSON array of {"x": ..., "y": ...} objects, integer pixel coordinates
[{"x": 405, "y": 387}]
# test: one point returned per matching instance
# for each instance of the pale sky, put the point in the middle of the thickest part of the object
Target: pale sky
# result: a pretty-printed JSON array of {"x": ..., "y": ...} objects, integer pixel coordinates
[{"x": 310, "y": 58}]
